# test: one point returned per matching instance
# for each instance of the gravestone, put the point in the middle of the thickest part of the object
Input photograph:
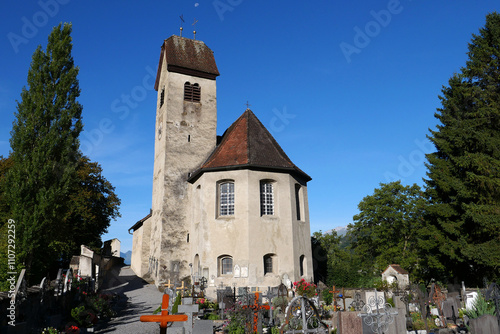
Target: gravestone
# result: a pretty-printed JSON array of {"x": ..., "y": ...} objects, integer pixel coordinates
[
  {"x": 358, "y": 302},
  {"x": 450, "y": 310},
  {"x": 171, "y": 298},
  {"x": 349, "y": 323},
  {"x": 399, "y": 324},
  {"x": 486, "y": 324},
  {"x": 471, "y": 298},
  {"x": 188, "y": 308},
  {"x": 203, "y": 326}
]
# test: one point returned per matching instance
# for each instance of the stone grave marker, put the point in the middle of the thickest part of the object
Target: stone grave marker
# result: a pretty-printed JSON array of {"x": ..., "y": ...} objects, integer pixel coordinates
[
  {"x": 450, "y": 309},
  {"x": 68, "y": 280},
  {"x": 405, "y": 299},
  {"x": 399, "y": 324},
  {"x": 188, "y": 308},
  {"x": 357, "y": 303},
  {"x": 349, "y": 323},
  {"x": 59, "y": 283},
  {"x": 203, "y": 326},
  {"x": 471, "y": 298},
  {"x": 485, "y": 324}
]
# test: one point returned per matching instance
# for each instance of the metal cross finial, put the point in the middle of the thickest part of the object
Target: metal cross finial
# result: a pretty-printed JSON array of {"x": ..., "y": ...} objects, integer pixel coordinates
[
  {"x": 248, "y": 105},
  {"x": 194, "y": 31},
  {"x": 182, "y": 21}
]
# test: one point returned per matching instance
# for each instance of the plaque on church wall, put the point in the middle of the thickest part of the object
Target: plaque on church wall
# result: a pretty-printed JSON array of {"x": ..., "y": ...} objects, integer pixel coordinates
[
  {"x": 236, "y": 271},
  {"x": 244, "y": 271}
]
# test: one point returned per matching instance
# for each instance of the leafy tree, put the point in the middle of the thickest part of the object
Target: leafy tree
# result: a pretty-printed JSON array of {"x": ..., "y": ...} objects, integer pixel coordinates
[
  {"x": 94, "y": 204},
  {"x": 334, "y": 264},
  {"x": 5, "y": 164},
  {"x": 463, "y": 185},
  {"x": 387, "y": 227},
  {"x": 44, "y": 142}
]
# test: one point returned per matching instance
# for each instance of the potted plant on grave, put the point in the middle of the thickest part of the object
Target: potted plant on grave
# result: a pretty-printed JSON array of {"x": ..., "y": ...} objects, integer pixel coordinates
[
  {"x": 84, "y": 317},
  {"x": 72, "y": 329},
  {"x": 305, "y": 289},
  {"x": 50, "y": 330},
  {"x": 100, "y": 304}
]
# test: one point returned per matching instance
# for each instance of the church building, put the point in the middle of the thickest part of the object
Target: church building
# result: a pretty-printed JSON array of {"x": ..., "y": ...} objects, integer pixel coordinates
[{"x": 231, "y": 209}]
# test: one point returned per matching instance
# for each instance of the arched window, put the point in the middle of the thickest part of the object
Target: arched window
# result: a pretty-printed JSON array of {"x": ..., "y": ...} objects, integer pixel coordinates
[
  {"x": 192, "y": 92},
  {"x": 226, "y": 198},
  {"x": 196, "y": 92},
  {"x": 225, "y": 264},
  {"x": 268, "y": 263},
  {"x": 302, "y": 264},
  {"x": 266, "y": 198},
  {"x": 298, "y": 200}
]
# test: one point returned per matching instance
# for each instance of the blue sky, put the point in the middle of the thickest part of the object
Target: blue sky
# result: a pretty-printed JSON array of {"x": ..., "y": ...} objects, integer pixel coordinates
[{"x": 348, "y": 89}]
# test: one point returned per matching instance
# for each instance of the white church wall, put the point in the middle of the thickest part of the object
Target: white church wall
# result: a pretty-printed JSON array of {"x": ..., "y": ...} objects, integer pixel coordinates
[{"x": 247, "y": 236}]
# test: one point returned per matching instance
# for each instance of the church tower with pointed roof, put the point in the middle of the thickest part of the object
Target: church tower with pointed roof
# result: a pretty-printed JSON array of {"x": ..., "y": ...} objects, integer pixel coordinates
[{"x": 235, "y": 212}]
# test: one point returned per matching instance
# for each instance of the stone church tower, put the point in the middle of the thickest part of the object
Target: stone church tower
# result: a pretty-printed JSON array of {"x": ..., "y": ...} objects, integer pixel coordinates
[{"x": 234, "y": 212}]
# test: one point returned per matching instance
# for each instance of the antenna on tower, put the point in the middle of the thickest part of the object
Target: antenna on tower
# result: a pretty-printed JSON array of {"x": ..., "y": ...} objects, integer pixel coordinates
[
  {"x": 182, "y": 21},
  {"x": 194, "y": 31}
]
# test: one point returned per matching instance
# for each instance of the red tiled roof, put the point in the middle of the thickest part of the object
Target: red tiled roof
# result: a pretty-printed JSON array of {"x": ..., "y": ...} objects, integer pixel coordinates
[
  {"x": 248, "y": 144},
  {"x": 187, "y": 56},
  {"x": 398, "y": 268}
]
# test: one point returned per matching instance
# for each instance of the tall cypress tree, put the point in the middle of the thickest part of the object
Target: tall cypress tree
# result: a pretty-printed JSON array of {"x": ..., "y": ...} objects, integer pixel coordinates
[
  {"x": 44, "y": 143},
  {"x": 463, "y": 184}
]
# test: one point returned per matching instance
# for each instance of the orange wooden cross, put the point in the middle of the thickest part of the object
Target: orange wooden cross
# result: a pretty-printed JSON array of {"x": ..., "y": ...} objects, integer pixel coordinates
[
  {"x": 164, "y": 318},
  {"x": 256, "y": 308},
  {"x": 334, "y": 292}
]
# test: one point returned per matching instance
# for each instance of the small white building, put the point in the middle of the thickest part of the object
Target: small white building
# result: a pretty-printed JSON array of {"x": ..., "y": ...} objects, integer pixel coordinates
[
  {"x": 394, "y": 273},
  {"x": 232, "y": 209},
  {"x": 111, "y": 247}
]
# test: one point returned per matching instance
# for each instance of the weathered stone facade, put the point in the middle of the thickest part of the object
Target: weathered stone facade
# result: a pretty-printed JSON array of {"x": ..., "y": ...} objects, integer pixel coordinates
[{"x": 185, "y": 232}]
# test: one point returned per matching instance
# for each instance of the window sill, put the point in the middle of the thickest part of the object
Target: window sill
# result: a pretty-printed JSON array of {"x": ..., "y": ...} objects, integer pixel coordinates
[
  {"x": 270, "y": 217},
  {"x": 226, "y": 217}
]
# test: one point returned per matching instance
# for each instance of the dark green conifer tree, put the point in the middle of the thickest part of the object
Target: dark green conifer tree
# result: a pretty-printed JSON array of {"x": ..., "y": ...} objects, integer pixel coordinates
[
  {"x": 44, "y": 143},
  {"x": 463, "y": 185}
]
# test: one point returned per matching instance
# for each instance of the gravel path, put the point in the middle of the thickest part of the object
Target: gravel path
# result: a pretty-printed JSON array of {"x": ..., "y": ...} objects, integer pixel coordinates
[{"x": 136, "y": 298}]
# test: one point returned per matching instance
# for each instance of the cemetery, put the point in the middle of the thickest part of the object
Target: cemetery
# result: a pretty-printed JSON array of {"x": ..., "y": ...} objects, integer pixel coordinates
[{"x": 79, "y": 301}]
